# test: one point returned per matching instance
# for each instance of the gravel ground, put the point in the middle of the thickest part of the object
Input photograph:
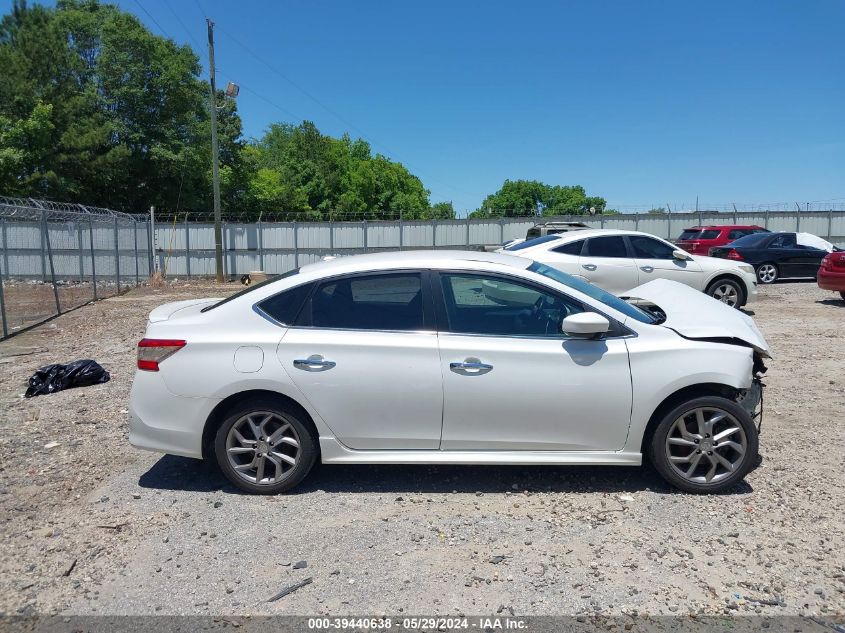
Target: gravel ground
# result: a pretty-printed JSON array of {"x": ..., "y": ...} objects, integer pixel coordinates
[{"x": 91, "y": 526}]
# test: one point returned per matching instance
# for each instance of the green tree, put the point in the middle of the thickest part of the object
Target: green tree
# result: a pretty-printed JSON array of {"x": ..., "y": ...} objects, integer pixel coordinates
[
  {"x": 531, "y": 197},
  {"x": 129, "y": 113},
  {"x": 656, "y": 211},
  {"x": 24, "y": 145}
]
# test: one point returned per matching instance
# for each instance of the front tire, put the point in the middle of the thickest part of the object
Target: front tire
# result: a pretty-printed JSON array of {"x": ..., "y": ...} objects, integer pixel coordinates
[
  {"x": 767, "y": 273},
  {"x": 705, "y": 445},
  {"x": 727, "y": 291},
  {"x": 264, "y": 447}
]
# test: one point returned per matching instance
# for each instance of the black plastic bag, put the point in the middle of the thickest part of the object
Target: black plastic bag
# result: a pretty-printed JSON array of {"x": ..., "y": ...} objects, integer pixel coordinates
[{"x": 79, "y": 373}]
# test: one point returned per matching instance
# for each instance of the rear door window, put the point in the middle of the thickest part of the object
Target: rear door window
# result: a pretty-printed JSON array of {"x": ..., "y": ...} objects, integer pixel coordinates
[
  {"x": 285, "y": 306},
  {"x": 370, "y": 302},
  {"x": 608, "y": 246}
]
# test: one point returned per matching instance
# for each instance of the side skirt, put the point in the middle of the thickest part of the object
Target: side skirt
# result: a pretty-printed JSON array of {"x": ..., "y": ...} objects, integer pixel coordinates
[{"x": 333, "y": 452}]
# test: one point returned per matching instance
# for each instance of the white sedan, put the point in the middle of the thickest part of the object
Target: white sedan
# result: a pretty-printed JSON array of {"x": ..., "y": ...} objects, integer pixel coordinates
[
  {"x": 619, "y": 260},
  {"x": 410, "y": 358}
]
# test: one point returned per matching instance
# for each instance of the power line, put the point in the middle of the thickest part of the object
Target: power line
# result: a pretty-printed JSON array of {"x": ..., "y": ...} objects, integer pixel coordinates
[
  {"x": 179, "y": 20},
  {"x": 327, "y": 108},
  {"x": 149, "y": 15}
]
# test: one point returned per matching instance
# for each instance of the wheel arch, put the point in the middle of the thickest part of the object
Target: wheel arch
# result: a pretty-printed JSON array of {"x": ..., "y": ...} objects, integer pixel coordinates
[
  {"x": 219, "y": 413},
  {"x": 732, "y": 277},
  {"x": 683, "y": 395}
]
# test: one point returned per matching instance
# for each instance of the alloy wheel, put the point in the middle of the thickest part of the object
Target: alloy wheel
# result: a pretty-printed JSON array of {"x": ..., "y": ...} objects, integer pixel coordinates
[
  {"x": 767, "y": 273},
  {"x": 706, "y": 445},
  {"x": 262, "y": 447},
  {"x": 726, "y": 293}
]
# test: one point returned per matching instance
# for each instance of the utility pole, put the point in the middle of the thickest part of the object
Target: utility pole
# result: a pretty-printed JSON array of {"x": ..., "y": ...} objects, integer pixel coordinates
[{"x": 215, "y": 159}]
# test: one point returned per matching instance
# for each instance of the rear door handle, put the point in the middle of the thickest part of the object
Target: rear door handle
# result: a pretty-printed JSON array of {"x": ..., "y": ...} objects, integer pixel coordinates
[
  {"x": 315, "y": 362},
  {"x": 474, "y": 366},
  {"x": 589, "y": 266},
  {"x": 647, "y": 269}
]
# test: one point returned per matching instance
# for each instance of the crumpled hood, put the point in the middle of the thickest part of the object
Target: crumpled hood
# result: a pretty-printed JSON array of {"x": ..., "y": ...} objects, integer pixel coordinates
[
  {"x": 166, "y": 311},
  {"x": 693, "y": 314}
]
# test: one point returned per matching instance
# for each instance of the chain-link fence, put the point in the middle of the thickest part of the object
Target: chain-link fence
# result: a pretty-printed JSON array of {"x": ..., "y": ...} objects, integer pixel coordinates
[{"x": 58, "y": 256}]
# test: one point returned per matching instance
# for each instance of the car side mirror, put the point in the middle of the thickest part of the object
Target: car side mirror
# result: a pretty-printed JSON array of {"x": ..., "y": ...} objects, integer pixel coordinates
[
  {"x": 679, "y": 254},
  {"x": 585, "y": 325}
]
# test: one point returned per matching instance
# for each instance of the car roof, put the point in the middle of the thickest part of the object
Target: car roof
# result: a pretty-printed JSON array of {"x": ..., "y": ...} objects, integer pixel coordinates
[{"x": 414, "y": 259}]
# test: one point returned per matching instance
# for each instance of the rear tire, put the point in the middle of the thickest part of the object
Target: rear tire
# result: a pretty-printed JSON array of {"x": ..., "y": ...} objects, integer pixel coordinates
[
  {"x": 728, "y": 291},
  {"x": 767, "y": 273},
  {"x": 705, "y": 445},
  {"x": 265, "y": 448}
]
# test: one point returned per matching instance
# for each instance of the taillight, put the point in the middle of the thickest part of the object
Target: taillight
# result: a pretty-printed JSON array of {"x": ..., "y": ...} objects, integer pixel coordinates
[
  {"x": 151, "y": 351},
  {"x": 734, "y": 254},
  {"x": 827, "y": 263}
]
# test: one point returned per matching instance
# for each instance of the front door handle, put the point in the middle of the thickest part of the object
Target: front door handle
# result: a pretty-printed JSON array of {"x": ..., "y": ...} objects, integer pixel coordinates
[
  {"x": 315, "y": 362},
  {"x": 647, "y": 269},
  {"x": 589, "y": 266},
  {"x": 470, "y": 365}
]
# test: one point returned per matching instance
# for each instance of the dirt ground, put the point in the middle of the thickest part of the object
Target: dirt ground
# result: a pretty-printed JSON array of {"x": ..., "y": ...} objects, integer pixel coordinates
[{"x": 90, "y": 525}]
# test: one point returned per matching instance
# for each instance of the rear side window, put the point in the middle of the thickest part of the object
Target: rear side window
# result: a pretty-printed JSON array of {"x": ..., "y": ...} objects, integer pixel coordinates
[
  {"x": 787, "y": 240},
  {"x": 752, "y": 241},
  {"x": 252, "y": 288},
  {"x": 372, "y": 302},
  {"x": 609, "y": 246},
  {"x": 573, "y": 248},
  {"x": 285, "y": 306},
  {"x": 735, "y": 234}
]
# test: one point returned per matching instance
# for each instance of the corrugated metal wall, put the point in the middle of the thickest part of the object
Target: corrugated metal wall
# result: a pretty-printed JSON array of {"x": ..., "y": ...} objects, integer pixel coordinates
[{"x": 187, "y": 249}]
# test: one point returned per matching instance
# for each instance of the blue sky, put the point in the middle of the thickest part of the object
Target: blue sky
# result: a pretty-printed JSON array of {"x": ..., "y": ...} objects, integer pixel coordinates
[{"x": 644, "y": 103}]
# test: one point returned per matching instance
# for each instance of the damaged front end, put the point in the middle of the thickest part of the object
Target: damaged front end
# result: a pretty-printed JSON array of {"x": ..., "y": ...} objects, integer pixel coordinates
[{"x": 751, "y": 399}]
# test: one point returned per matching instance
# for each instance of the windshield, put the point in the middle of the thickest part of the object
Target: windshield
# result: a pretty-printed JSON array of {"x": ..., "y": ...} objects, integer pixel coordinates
[
  {"x": 249, "y": 289},
  {"x": 593, "y": 291},
  {"x": 534, "y": 242}
]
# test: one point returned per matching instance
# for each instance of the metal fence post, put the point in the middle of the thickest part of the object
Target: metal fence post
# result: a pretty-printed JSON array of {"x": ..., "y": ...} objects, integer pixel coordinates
[
  {"x": 43, "y": 251},
  {"x": 467, "y": 228},
  {"x": 93, "y": 258},
  {"x": 501, "y": 230},
  {"x": 261, "y": 245},
  {"x": 5, "y": 250},
  {"x": 434, "y": 233},
  {"x": 331, "y": 235},
  {"x": 637, "y": 221},
  {"x": 187, "y": 248},
  {"x": 135, "y": 236},
  {"x": 46, "y": 239},
  {"x": 401, "y": 232},
  {"x": 116, "y": 256},
  {"x": 2, "y": 298},
  {"x": 295, "y": 244},
  {"x": 829, "y": 225},
  {"x": 365, "y": 235},
  {"x": 81, "y": 256},
  {"x": 766, "y": 222},
  {"x": 150, "y": 251}
]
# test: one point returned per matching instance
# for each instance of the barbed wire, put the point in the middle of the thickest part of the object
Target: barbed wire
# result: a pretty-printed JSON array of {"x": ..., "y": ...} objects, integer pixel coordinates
[{"x": 32, "y": 209}]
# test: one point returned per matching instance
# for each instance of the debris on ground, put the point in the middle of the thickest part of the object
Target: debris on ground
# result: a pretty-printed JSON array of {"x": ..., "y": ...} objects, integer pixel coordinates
[
  {"x": 57, "y": 377},
  {"x": 291, "y": 589}
]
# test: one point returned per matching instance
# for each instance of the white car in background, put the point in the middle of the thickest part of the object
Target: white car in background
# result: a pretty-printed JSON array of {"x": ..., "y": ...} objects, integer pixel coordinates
[
  {"x": 619, "y": 260},
  {"x": 405, "y": 358}
]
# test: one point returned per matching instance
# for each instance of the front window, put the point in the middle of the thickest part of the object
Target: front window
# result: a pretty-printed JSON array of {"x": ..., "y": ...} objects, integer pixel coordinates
[
  {"x": 594, "y": 292},
  {"x": 370, "y": 302},
  {"x": 486, "y": 304},
  {"x": 650, "y": 248}
]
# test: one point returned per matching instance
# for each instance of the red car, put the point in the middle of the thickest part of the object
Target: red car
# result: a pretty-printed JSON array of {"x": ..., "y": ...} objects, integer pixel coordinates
[
  {"x": 832, "y": 272},
  {"x": 700, "y": 239}
]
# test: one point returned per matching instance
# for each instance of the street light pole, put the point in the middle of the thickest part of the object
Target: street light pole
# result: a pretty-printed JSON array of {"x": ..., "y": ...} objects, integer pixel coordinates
[{"x": 215, "y": 159}]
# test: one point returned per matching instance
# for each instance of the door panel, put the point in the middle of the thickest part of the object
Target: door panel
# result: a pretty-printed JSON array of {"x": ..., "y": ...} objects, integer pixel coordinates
[
  {"x": 512, "y": 381},
  {"x": 535, "y": 394},
  {"x": 605, "y": 263},
  {"x": 654, "y": 261},
  {"x": 383, "y": 391}
]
